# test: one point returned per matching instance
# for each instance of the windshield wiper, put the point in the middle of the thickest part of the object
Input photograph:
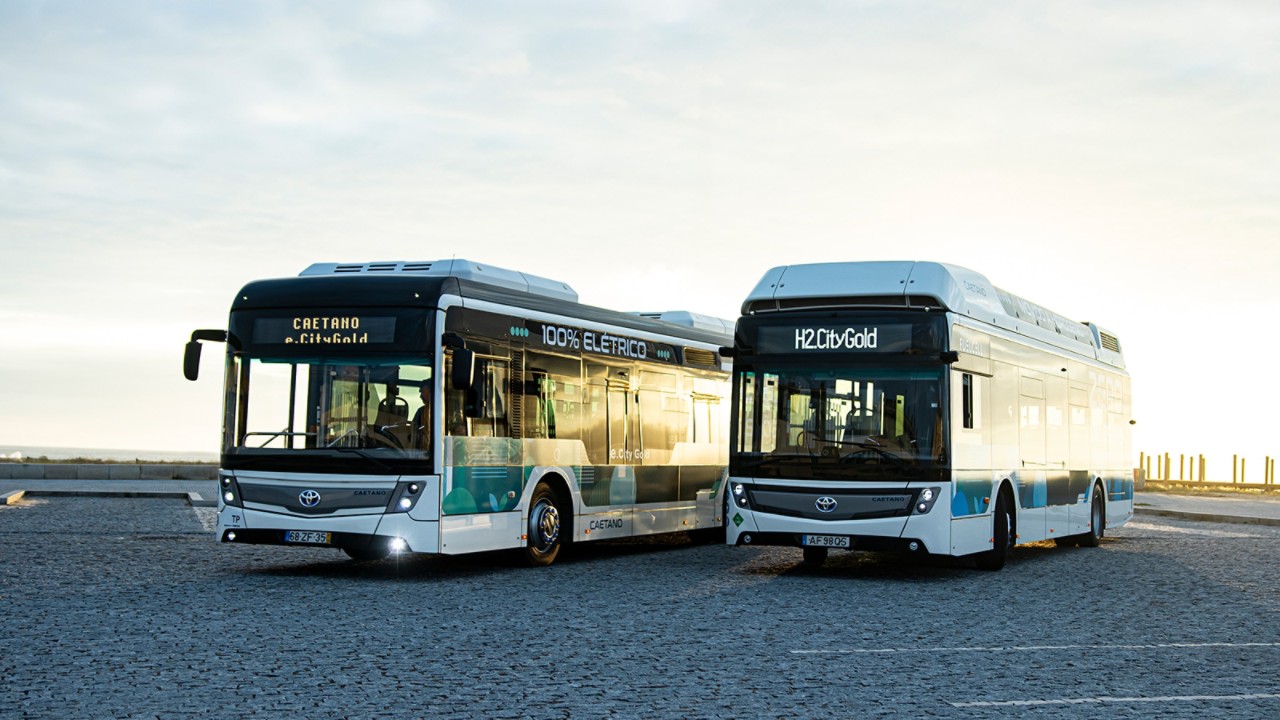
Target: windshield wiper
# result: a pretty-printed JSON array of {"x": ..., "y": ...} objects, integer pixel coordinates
[
  {"x": 770, "y": 459},
  {"x": 362, "y": 453}
]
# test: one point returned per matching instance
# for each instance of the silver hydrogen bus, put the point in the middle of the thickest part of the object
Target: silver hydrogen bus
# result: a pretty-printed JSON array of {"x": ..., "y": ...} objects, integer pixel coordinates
[
  {"x": 915, "y": 407},
  {"x": 452, "y": 407}
]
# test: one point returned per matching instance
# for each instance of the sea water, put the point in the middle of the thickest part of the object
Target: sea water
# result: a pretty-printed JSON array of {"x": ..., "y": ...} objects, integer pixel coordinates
[{"x": 15, "y": 453}]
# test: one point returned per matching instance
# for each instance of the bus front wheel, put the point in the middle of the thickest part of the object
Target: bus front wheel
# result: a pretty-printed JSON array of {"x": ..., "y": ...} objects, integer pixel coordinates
[
  {"x": 545, "y": 526},
  {"x": 815, "y": 556},
  {"x": 1001, "y": 536}
]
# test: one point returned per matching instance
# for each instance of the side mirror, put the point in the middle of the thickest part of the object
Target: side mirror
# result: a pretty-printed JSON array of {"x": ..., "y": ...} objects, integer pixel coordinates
[
  {"x": 191, "y": 361},
  {"x": 462, "y": 375},
  {"x": 949, "y": 356},
  {"x": 191, "y": 357}
]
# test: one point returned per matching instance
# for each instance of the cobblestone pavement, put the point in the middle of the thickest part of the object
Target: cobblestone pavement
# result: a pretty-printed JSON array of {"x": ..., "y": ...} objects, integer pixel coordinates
[{"x": 127, "y": 608}]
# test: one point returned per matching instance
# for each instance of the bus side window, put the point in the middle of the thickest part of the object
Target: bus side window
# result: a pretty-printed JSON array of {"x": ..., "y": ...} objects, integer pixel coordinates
[{"x": 489, "y": 396}]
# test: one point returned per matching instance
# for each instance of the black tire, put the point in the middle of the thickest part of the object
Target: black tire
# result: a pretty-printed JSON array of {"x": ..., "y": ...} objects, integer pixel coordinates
[
  {"x": 374, "y": 550},
  {"x": 708, "y": 536},
  {"x": 815, "y": 556},
  {"x": 1097, "y": 520},
  {"x": 1002, "y": 534},
  {"x": 545, "y": 528}
]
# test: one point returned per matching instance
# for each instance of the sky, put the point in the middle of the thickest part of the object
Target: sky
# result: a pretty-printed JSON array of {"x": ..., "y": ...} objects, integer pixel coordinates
[{"x": 1116, "y": 162}]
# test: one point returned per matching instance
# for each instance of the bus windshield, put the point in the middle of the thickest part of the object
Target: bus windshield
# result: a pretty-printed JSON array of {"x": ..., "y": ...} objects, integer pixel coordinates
[
  {"x": 381, "y": 407},
  {"x": 834, "y": 423}
]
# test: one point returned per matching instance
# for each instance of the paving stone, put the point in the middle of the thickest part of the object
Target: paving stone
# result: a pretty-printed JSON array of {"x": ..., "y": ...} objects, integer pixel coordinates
[{"x": 128, "y": 608}]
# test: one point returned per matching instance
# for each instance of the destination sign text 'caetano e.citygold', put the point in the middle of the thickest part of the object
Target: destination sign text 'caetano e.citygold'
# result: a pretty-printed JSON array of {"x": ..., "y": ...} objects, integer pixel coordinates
[{"x": 325, "y": 330}]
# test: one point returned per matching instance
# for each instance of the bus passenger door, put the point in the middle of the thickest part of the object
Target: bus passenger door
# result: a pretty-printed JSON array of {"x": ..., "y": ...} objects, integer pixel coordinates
[
  {"x": 1032, "y": 487},
  {"x": 622, "y": 450}
]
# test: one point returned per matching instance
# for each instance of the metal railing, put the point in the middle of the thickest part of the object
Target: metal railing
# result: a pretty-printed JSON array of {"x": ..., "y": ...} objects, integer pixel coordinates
[{"x": 1192, "y": 470}]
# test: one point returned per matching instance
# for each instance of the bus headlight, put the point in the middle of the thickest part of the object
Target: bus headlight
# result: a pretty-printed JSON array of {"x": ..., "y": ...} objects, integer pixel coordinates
[
  {"x": 399, "y": 545},
  {"x": 925, "y": 500},
  {"x": 228, "y": 490},
  {"x": 405, "y": 497},
  {"x": 740, "y": 494}
]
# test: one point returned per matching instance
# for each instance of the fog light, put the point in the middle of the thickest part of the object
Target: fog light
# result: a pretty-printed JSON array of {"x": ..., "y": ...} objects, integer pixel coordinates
[
  {"x": 231, "y": 536},
  {"x": 405, "y": 503},
  {"x": 399, "y": 545},
  {"x": 913, "y": 546},
  {"x": 746, "y": 539}
]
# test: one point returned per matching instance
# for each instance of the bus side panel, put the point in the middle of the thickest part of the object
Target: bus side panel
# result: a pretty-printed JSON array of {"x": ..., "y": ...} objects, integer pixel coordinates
[
  {"x": 1078, "y": 512},
  {"x": 480, "y": 532},
  {"x": 653, "y": 520},
  {"x": 1032, "y": 509},
  {"x": 970, "y": 535},
  {"x": 971, "y": 503},
  {"x": 423, "y": 536},
  {"x": 604, "y": 525}
]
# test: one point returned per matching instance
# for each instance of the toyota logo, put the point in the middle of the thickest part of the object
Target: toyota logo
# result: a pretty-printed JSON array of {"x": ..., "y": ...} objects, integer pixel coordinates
[
  {"x": 825, "y": 504},
  {"x": 310, "y": 498}
]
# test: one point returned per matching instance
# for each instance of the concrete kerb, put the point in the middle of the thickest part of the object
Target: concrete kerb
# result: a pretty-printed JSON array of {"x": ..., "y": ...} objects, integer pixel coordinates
[
  {"x": 1208, "y": 517},
  {"x": 106, "y": 471},
  {"x": 193, "y": 499}
]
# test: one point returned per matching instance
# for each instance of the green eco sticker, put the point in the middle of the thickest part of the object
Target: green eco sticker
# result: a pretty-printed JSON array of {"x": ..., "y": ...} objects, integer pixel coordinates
[{"x": 737, "y": 519}]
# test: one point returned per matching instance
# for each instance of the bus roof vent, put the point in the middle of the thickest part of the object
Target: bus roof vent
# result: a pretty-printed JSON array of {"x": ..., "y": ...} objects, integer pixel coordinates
[
  {"x": 690, "y": 319},
  {"x": 698, "y": 356},
  {"x": 459, "y": 268},
  {"x": 1110, "y": 342}
]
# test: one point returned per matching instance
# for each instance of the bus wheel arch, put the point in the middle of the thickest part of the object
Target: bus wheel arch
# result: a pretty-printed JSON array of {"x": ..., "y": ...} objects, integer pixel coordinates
[
  {"x": 550, "y": 520},
  {"x": 1004, "y": 530}
]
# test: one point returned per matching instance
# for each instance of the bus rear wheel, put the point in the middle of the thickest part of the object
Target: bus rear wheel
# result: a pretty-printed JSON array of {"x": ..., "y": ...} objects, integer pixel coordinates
[
  {"x": 545, "y": 528},
  {"x": 1097, "y": 520}
]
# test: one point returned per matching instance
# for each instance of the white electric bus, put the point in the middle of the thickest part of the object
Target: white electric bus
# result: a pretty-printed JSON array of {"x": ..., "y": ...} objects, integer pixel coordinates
[
  {"x": 451, "y": 407},
  {"x": 915, "y": 407}
]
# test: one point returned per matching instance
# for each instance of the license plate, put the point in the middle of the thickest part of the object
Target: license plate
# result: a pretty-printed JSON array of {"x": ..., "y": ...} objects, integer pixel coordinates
[
  {"x": 835, "y": 541},
  {"x": 306, "y": 537}
]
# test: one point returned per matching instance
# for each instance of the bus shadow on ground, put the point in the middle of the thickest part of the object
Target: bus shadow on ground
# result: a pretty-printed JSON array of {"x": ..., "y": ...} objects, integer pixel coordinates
[
  {"x": 335, "y": 564},
  {"x": 865, "y": 565}
]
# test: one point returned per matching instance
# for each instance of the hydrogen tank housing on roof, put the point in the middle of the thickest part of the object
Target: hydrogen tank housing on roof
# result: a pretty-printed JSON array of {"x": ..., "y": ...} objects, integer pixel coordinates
[
  {"x": 909, "y": 284},
  {"x": 459, "y": 268}
]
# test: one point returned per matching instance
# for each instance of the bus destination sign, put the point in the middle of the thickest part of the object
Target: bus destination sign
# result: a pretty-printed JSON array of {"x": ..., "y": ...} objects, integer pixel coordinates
[
  {"x": 324, "y": 330},
  {"x": 842, "y": 338}
]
